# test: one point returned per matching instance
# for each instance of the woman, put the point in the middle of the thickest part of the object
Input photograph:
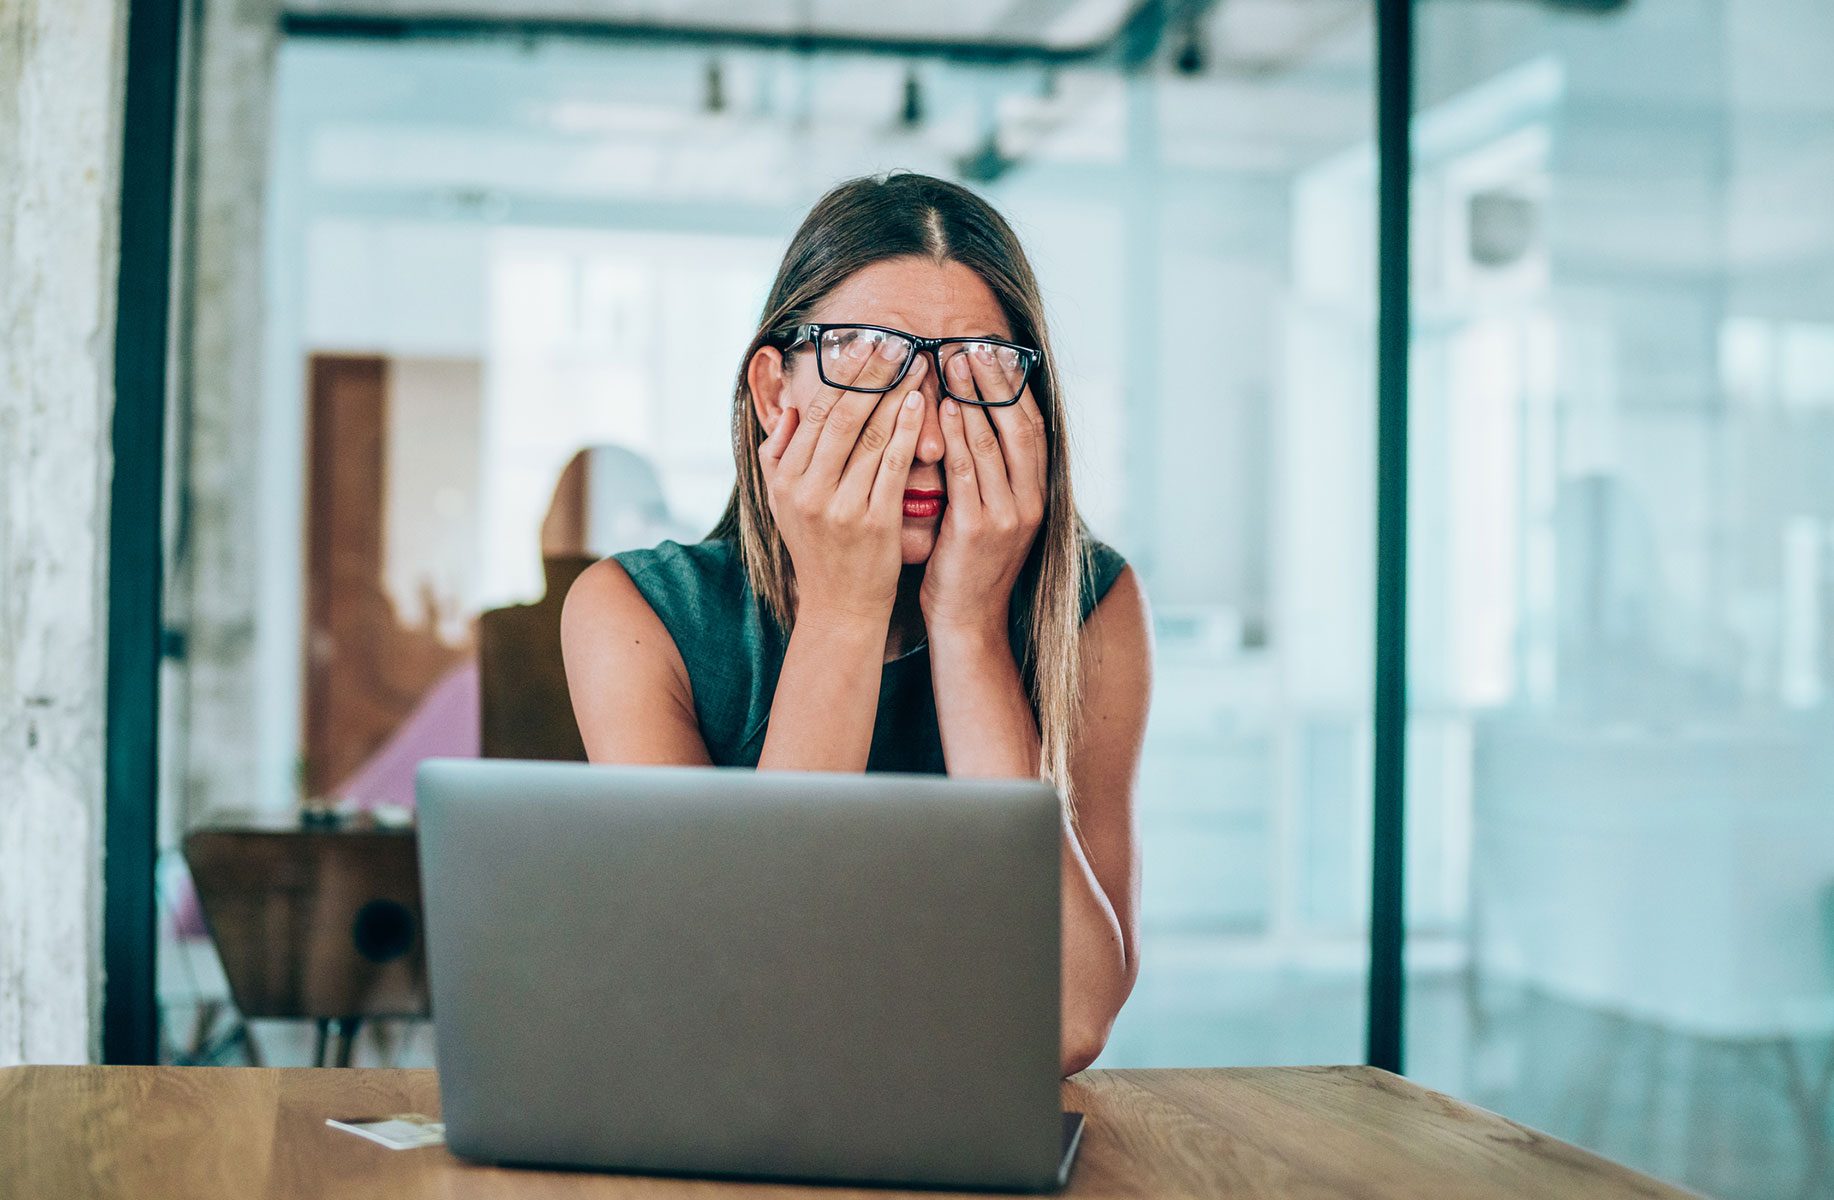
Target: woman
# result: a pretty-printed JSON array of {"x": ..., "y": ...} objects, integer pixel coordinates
[{"x": 901, "y": 580}]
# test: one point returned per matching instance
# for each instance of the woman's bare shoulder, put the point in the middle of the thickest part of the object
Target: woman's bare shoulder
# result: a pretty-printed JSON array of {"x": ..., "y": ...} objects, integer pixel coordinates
[
  {"x": 1119, "y": 633},
  {"x": 603, "y": 599},
  {"x": 608, "y": 631},
  {"x": 1117, "y": 650}
]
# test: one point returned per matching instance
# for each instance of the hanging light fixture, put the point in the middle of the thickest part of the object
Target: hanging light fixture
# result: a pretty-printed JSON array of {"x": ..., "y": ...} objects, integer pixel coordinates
[
  {"x": 1193, "y": 56},
  {"x": 911, "y": 114},
  {"x": 714, "y": 95}
]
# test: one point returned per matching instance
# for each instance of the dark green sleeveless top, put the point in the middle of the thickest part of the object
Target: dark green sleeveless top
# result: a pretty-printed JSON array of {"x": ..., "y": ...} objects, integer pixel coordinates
[{"x": 734, "y": 651}]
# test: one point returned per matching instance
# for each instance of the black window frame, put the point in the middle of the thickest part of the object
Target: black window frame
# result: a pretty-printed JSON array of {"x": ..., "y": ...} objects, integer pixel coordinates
[{"x": 135, "y": 566}]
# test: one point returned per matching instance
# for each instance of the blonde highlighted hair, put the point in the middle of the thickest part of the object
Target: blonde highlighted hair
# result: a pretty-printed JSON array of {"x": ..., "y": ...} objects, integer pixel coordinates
[{"x": 868, "y": 220}]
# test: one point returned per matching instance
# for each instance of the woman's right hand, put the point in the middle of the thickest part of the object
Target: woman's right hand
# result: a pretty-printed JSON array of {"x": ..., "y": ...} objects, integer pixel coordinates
[{"x": 834, "y": 473}]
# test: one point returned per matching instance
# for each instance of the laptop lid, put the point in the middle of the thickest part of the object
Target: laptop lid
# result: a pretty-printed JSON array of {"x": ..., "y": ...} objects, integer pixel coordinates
[{"x": 730, "y": 972}]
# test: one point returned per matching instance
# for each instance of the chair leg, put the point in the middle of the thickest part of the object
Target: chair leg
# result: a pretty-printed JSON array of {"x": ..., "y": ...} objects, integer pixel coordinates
[
  {"x": 324, "y": 1035},
  {"x": 388, "y": 1042},
  {"x": 347, "y": 1038},
  {"x": 246, "y": 1034},
  {"x": 202, "y": 1023}
]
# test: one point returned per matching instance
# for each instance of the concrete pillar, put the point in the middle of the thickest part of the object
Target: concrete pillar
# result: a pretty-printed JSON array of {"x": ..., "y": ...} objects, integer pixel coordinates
[
  {"x": 211, "y": 708},
  {"x": 61, "y": 77}
]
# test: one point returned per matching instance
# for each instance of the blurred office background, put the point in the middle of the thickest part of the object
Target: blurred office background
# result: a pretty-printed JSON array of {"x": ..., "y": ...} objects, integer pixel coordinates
[{"x": 432, "y": 253}]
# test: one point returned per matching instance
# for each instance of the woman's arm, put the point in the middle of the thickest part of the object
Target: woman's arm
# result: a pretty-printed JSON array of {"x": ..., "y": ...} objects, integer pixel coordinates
[
  {"x": 629, "y": 685},
  {"x": 634, "y": 704},
  {"x": 1102, "y": 906},
  {"x": 827, "y": 695},
  {"x": 835, "y": 475},
  {"x": 996, "y": 465},
  {"x": 988, "y": 731}
]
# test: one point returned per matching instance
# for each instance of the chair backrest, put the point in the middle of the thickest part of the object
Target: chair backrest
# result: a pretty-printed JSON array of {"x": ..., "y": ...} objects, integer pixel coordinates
[{"x": 525, "y": 710}]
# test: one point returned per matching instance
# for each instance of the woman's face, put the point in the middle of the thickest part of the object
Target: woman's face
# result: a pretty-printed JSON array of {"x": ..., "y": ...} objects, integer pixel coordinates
[{"x": 916, "y": 295}]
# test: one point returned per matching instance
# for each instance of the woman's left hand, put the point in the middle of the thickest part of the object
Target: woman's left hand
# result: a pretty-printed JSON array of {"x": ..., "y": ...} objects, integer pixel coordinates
[{"x": 994, "y": 462}]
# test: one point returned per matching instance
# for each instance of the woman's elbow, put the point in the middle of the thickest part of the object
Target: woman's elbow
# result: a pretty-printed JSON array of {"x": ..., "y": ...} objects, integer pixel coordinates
[
  {"x": 1083, "y": 1042},
  {"x": 1086, "y": 1032}
]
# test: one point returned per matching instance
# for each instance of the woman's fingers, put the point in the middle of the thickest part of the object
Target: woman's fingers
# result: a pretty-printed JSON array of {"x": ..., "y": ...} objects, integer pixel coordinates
[
  {"x": 989, "y": 460},
  {"x": 868, "y": 365},
  {"x": 895, "y": 464},
  {"x": 999, "y": 371},
  {"x": 829, "y": 403},
  {"x": 857, "y": 479},
  {"x": 810, "y": 419},
  {"x": 1020, "y": 425},
  {"x": 1022, "y": 437},
  {"x": 959, "y": 475},
  {"x": 958, "y": 373},
  {"x": 770, "y": 451}
]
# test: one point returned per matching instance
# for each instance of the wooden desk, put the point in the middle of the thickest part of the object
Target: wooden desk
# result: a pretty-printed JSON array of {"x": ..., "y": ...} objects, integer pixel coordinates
[{"x": 1275, "y": 1132}]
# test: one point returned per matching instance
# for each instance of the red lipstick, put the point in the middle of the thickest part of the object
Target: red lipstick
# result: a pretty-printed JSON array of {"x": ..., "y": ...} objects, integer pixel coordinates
[{"x": 922, "y": 502}]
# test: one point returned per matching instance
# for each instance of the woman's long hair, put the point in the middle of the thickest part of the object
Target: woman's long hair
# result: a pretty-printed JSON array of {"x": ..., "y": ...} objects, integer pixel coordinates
[{"x": 864, "y": 221}]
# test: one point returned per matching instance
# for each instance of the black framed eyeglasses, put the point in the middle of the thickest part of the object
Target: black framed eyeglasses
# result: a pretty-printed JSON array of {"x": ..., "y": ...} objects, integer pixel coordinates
[{"x": 855, "y": 358}]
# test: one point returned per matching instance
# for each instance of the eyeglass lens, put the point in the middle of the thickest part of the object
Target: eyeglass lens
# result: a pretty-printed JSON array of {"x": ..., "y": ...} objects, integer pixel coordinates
[{"x": 871, "y": 360}]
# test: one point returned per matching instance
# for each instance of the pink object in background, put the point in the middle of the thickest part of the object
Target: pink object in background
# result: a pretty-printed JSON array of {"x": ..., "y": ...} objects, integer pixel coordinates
[
  {"x": 444, "y": 725},
  {"x": 187, "y": 913}
]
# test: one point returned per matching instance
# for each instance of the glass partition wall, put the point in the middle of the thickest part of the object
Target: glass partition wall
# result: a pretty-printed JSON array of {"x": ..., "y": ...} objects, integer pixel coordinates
[
  {"x": 1623, "y": 298},
  {"x": 504, "y": 282},
  {"x": 506, "y": 286}
]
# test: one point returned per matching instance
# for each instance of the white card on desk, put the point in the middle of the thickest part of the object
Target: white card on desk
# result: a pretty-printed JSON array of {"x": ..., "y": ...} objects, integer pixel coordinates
[{"x": 403, "y": 1131}]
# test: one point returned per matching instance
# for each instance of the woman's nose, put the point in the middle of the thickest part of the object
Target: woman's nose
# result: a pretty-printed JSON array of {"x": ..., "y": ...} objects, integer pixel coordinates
[
  {"x": 922, "y": 377},
  {"x": 929, "y": 438}
]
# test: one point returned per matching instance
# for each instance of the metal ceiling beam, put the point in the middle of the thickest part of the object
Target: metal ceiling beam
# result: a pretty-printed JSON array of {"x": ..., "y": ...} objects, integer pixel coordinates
[
  {"x": 1592, "y": 7},
  {"x": 1130, "y": 46}
]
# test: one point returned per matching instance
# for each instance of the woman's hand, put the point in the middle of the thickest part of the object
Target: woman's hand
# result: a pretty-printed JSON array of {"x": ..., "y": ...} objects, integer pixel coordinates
[
  {"x": 994, "y": 463},
  {"x": 834, "y": 473}
]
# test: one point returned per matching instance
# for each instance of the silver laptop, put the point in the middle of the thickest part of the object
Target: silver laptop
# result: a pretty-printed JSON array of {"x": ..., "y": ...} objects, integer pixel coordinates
[{"x": 739, "y": 973}]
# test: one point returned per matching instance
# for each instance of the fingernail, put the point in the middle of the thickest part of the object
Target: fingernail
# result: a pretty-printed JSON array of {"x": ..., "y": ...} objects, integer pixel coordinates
[
  {"x": 913, "y": 400},
  {"x": 948, "y": 407}
]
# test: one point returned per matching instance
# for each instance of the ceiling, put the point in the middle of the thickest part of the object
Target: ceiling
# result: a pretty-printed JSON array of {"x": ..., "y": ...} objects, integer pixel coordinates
[{"x": 1277, "y": 85}]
